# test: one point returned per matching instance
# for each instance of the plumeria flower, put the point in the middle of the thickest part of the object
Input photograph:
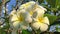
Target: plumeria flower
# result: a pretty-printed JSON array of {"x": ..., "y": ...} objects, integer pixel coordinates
[
  {"x": 41, "y": 23},
  {"x": 17, "y": 20},
  {"x": 32, "y": 8},
  {"x": 29, "y": 7},
  {"x": 22, "y": 17}
]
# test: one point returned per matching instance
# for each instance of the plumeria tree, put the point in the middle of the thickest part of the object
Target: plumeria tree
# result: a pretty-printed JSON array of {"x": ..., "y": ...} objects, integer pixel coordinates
[{"x": 30, "y": 17}]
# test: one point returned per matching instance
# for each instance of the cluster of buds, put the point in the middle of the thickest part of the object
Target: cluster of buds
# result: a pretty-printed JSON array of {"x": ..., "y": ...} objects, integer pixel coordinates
[{"x": 29, "y": 13}]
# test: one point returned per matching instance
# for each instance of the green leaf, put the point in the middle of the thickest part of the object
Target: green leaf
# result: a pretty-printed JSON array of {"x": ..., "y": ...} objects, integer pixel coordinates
[
  {"x": 54, "y": 3},
  {"x": 58, "y": 27},
  {"x": 51, "y": 18},
  {"x": 25, "y": 32},
  {"x": 2, "y": 31}
]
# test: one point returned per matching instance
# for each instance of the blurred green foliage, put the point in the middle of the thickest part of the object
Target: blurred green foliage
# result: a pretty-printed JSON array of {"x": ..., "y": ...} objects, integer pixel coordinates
[{"x": 55, "y": 4}]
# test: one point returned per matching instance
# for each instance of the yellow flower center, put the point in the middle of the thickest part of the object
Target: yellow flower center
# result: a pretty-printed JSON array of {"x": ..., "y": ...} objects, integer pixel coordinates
[
  {"x": 20, "y": 18},
  {"x": 40, "y": 19}
]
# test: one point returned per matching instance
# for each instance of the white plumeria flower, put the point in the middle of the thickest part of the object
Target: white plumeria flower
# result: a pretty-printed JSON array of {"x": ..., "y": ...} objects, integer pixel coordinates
[
  {"x": 28, "y": 7},
  {"x": 41, "y": 23},
  {"x": 17, "y": 19},
  {"x": 31, "y": 7},
  {"x": 23, "y": 17}
]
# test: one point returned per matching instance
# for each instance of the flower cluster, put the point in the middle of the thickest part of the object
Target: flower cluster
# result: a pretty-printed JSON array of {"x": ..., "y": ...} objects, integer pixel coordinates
[{"x": 29, "y": 13}]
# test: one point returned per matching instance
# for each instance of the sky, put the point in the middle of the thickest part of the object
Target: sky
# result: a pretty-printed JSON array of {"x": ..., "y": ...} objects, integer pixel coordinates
[{"x": 10, "y": 5}]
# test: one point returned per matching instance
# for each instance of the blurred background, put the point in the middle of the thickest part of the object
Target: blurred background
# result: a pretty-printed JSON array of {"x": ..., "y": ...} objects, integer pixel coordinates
[{"x": 53, "y": 13}]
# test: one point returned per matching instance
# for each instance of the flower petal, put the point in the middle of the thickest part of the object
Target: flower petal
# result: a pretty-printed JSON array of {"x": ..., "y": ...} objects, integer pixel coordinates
[
  {"x": 42, "y": 8},
  {"x": 43, "y": 27},
  {"x": 24, "y": 27},
  {"x": 27, "y": 5},
  {"x": 14, "y": 18},
  {"x": 36, "y": 25},
  {"x": 40, "y": 12},
  {"x": 28, "y": 19},
  {"x": 16, "y": 24},
  {"x": 46, "y": 20}
]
